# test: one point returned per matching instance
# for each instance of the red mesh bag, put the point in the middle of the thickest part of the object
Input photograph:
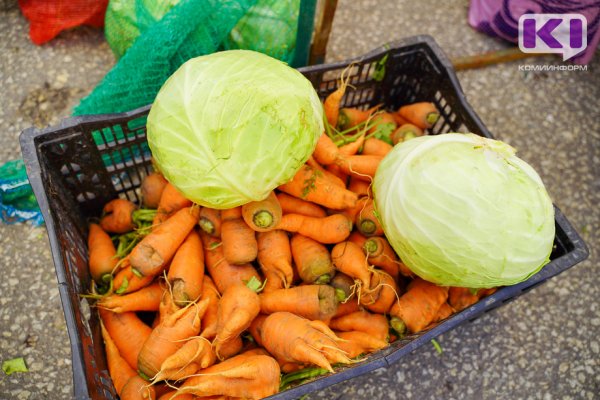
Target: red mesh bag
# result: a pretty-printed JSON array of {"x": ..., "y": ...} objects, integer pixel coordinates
[{"x": 47, "y": 18}]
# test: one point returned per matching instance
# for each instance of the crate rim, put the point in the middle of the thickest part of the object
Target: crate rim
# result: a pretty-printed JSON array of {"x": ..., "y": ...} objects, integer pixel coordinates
[{"x": 31, "y": 136}]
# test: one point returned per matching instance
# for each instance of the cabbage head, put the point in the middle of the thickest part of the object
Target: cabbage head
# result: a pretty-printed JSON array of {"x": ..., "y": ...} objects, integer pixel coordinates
[
  {"x": 463, "y": 210},
  {"x": 227, "y": 128}
]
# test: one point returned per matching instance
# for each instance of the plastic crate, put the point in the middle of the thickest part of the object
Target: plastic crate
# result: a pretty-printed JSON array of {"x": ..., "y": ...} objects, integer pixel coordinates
[{"x": 77, "y": 166}]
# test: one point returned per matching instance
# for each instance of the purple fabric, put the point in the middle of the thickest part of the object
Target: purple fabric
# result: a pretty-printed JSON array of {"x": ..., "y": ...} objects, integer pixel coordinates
[{"x": 500, "y": 18}]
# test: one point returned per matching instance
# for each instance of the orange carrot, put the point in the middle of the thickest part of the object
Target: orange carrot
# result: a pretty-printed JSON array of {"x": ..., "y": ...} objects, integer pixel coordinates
[
  {"x": 376, "y": 147},
  {"x": 197, "y": 353},
  {"x": 255, "y": 328},
  {"x": 382, "y": 126},
  {"x": 352, "y": 148},
  {"x": 360, "y": 187},
  {"x": 406, "y": 132},
  {"x": 239, "y": 305},
  {"x": 326, "y": 152},
  {"x": 367, "y": 220},
  {"x": 422, "y": 114},
  {"x": 375, "y": 325},
  {"x": 312, "y": 259},
  {"x": 382, "y": 293},
  {"x": 417, "y": 307},
  {"x": 294, "y": 339},
  {"x": 311, "y": 185},
  {"x": 239, "y": 240},
  {"x": 308, "y": 301},
  {"x": 128, "y": 280},
  {"x": 461, "y": 298},
  {"x": 355, "y": 343},
  {"x": 210, "y": 221},
  {"x": 333, "y": 176},
  {"x": 221, "y": 271},
  {"x": 102, "y": 253},
  {"x": 344, "y": 283},
  {"x": 120, "y": 371},
  {"x": 352, "y": 212},
  {"x": 247, "y": 376},
  {"x": 275, "y": 259},
  {"x": 186, "y": 272},
  {"x": 349, "y": 258},
  {"x": 290, "y": 204},
  {"x": 116, "y": 216},
  {"x": 360, "y": 166},
  {"x": 331, "y": 229},
  {"x": 398, "y": 119},
  {"x": 137, "y": 388},
  {"x": 264, "y": 215},
  {"x": 350, "y": 306},
  {"x": 128, "y": 333},
  {"x": 231, "y": 348},
  {"x": 350, "y": 117},
  {"x": 151, "y": 255},
  {"x": 209, "y": 319},
  {"x": 152, "y": 188},
  {"x": 332, "y": 102},
  {"x": 169, "y": 336},
  {"x": 171, "y": 201},
  {"x": 145, "y": 299},
  {"x": 172, "y": 394}
]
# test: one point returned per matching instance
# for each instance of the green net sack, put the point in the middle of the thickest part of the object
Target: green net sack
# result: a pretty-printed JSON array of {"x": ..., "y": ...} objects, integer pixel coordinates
[{"x": 156, "y": 37}]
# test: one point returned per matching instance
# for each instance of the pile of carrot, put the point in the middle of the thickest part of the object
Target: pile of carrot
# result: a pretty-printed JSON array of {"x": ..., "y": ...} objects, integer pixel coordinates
[{"x": 241, "y": 303}]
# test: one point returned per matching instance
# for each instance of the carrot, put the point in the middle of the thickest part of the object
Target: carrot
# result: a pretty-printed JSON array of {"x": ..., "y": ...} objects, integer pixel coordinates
[
  {"x": 360, "y": 187},
  {"x": 152, "y": 188},
  {"x": 418, "y": 307},
  {"x": 128, "y": 280},
  {"x": 231, "y": 348},
  {"x": 331, "y": 229},
  {"x": 312, "y": 259},
  {"x": 239, "y": 240},
  {"x": 145, "y": 299},
  {"x": 248, "y": 376},
  {"x": 231, "y": 213},
  {"x": 355, "y": 343},
  {"x": 326, "y": 152},
  {"x": 221, "y": 271},
  {"x": 376, "y": 147},
  {"x": 275, "y": 259},
  {"x": 197, "y": 353},
  {"x": 239, "y": 305},
  {"x": 151, "y": 255},
  {"x": 367, "y": 220},
  {"x": 382, "y": 255},
  {"x": 360, "y": 166},
  {"x": 210, "y": 221},
  {"x": 120, "y": 371},
  {"x": 406, "y": 132},
  {"x": 169, "y": 336},
  {"x": 186, "y": 272},
  {"x": 352, "y": 212},
  {"x": 209, "y": 319},
  {"x": 333, "y": 176},
  {"x": 116, "y": 216},
  {"x": 460, "y": 298},
  {"x": 352, "y": 148},
  {"x": 398, "y": 119},
  {"x": 294, "y": 339},
  {"x": 171, "y": 201},
  {"x": 349, "y": 258},
  {"x": 350, "y": 117},
  {"x": 102, "y": 253},
  {"x": 137, "y": 388},
  {"x": 172, "y": 394},
  {"x": 423, "y": 114},
  {"x": 444, "y": 312},
  {"x": 291, "y": 204},
  {"x": 128, "y": 333},
  {"x": 382, "y": 293},
  {"x": 255, "y": 328},
  {"x": 264, "y": 215},
  {"x": 311, "y": 185},
  {"x": 344, "y": 283},
  {"x": 332, "y": 102},
  {"x": 308, "y": 301},
  {"x": 375, "y": 325},
  {"x": 382, "y": 126},
  {"x": 350, "y": 306}
]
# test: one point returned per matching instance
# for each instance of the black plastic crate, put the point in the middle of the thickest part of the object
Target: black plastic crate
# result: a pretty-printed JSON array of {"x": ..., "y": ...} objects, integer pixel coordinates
[{"x": 77, "y": 166}]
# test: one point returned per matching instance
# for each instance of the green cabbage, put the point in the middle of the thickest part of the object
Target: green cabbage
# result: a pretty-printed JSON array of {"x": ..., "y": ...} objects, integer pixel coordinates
[
  {"x": 463, "y": 210},
  {"x": 227, "y": 128}
]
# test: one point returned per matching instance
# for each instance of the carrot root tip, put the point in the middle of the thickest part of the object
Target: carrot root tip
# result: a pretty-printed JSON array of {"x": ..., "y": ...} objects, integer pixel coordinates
[
  {"x": 263, "y": 219},
  {"x": 323, "y": 279},
  {"x": 206, "y": 225},
  {"x": 370, "y": 246},
  {"x": 399, "y": 326},
  {"x": 367, "y": 227},
  {"x": 432, "y": 118}
]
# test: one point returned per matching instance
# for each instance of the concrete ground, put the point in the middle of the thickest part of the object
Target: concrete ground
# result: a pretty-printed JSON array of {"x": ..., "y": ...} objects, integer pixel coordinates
[{"x": 544, "y": 345}]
